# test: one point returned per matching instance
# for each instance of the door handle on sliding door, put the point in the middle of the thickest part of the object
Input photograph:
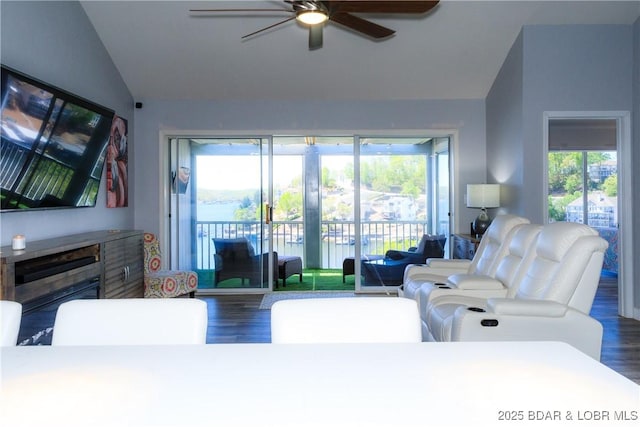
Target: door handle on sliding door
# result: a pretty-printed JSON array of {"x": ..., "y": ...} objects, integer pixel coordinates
[{"x": 268, "y": 213}]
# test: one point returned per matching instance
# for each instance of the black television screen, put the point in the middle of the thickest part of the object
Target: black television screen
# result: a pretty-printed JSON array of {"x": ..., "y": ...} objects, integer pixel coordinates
[{"x": 52, "y": 147}]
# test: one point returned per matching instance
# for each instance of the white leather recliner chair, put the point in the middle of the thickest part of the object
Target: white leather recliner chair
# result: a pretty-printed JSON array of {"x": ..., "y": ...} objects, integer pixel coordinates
[
  {"x": 552, "y": 298},
  {"x": 492, "y": 248},
  {"x": 473, "y": 289}
]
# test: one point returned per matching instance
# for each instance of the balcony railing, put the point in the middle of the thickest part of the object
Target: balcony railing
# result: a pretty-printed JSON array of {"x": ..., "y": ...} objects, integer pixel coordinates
[{"x": 338, "y": 239}]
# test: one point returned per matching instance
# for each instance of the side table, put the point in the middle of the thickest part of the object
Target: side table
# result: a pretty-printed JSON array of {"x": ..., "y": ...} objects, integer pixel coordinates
[{"x": 464, "y": 246}]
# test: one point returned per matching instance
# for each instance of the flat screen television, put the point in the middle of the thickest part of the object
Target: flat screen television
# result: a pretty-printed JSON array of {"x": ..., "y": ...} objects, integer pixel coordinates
[{"x": 53, "y": 145}]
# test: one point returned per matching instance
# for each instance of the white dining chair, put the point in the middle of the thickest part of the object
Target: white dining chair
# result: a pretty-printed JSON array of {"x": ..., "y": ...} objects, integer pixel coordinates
[
  {"x": 345, "y": 320},
  {"x": 10, "y": 318},
  {"x": 132, "y": 321}
]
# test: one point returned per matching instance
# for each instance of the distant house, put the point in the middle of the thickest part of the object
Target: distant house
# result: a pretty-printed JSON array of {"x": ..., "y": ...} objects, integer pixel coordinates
[
  {"x": 602, "y": 210},
  {"x": 598, "y": 172}
]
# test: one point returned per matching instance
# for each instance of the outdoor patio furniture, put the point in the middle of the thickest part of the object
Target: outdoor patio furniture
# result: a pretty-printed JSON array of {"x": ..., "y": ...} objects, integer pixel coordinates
[
  {"x": 349, "y": 267},
  {"x": 383, "y": 272},
  {"x": 430, "y": 246},
  {"x": 389, "y": 270},
  {"x": 287, "y": 267},
  {"x": 238, "y": 260}
]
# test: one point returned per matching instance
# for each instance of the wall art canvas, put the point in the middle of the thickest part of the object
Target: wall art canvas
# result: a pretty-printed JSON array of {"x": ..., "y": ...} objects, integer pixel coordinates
[
  {"x": 181, "y": 180},
  {"x": 117, "y": 165}
]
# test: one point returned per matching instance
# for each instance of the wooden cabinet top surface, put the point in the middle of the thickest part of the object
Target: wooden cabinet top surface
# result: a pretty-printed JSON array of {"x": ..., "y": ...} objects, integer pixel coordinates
[{"x": 38, "y": 248}]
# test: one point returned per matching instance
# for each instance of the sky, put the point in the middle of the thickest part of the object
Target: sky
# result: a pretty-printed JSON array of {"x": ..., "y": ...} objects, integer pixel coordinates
[{"x": 222, "y": 172}]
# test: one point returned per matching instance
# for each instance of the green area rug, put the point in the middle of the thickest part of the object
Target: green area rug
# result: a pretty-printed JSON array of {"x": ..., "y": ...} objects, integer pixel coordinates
[
  {"x": 315, "y": 279},
  {"x": 312, "y": 280}
]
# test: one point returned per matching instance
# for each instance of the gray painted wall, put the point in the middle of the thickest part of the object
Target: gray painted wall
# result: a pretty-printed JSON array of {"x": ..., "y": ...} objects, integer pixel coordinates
[
  {"x": 558, "y": 68},
  {"x": 635, "y": 132},
  {"x": 569, "y": 68},
  {"x": 182, "y": 117},
  {"x": 504, "y": 131},
  {"x": 55, "y": 42}
]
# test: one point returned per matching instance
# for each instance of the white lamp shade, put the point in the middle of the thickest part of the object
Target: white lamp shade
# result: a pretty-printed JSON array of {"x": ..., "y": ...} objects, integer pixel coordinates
[{"x": 483, "y": 195}]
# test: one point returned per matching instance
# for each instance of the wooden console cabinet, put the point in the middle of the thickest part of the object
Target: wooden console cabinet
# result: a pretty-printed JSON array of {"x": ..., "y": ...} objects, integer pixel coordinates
[
  {"x": 112, "y": 257},
  {"x": 123, "y": 267}
]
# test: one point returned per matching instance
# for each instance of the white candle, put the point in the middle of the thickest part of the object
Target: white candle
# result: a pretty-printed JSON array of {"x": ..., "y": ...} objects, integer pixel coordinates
[{"x": 18, "y": 242}]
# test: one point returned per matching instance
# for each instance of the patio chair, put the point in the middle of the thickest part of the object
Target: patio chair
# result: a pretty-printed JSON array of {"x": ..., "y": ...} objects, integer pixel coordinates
[
  {"x": 239, "y": 261},
  {"x": 390, "y": 269}
]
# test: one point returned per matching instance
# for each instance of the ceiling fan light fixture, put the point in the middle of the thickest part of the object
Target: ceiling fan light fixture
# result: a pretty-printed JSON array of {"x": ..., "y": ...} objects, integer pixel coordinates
[{"x": 312, "y": 17}]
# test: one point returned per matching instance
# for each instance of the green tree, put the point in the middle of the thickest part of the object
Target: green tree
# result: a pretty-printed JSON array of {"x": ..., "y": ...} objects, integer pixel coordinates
[
  {"x": 289, "y": 206},
  {"x": 610, "y": 186},
  {"x": 328, "y": 181},
  {"x": 573, "y": 183},
  {"x": 558, "y": 205},
  {"x": 246, "y": 210},
  {"x": 556, "y": 212}
]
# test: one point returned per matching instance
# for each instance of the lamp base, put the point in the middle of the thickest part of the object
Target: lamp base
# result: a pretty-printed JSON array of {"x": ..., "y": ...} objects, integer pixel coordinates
[{"x": 481, "y": 223}]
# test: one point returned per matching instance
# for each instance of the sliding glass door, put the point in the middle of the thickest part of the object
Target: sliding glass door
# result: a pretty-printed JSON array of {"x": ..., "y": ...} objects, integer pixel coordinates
[
  {"x": 401, "y": 200},
  {"x": 228, "y": 213},
  {"x": 239, "y": 205}
]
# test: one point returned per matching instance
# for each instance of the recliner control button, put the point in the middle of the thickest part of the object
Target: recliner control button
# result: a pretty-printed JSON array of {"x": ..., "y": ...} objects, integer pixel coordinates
[{"x": 489, "y": 322}]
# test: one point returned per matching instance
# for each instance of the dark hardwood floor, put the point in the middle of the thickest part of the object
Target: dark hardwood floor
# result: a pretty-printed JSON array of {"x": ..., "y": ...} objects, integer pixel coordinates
[
  {"x": 237, "y": 319},
  {"x": 621, "y": 340}
]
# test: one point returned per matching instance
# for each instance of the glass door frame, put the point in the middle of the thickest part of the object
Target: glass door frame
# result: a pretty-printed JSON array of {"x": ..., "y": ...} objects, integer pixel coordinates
[
  {"x": 625, "y": 199},
  {"x": 265, "y": 150},
  {"x": 432, "y": 195},
  {"x": 164, "y": 136}
]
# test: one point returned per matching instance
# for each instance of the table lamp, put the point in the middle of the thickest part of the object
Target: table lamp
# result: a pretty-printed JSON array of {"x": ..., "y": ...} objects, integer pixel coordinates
[{"x": 483, "y": 196}]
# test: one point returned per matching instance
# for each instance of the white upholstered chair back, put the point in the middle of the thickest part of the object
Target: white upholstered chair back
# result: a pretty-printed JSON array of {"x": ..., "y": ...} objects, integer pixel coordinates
[
  {"x": 131, "y": 321},
  {"x": 345, "y": 320},
  {"x": 491, "y": 248},
  {"x": 566, "y": 266},
  {"x": 10, "y": 318},
  {"x": 519, "y": 256}
]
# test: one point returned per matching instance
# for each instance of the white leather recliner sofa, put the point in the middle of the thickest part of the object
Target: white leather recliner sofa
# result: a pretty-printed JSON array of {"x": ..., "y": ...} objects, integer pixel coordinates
[
  {"x": 492, "y": 248},
  {"x": 553, "y": 291},
  {"x": 469, "y": 288}
]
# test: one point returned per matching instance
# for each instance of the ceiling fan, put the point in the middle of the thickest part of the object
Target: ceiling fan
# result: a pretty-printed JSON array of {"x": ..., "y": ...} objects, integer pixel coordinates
[{"x": 315, "y": 14}]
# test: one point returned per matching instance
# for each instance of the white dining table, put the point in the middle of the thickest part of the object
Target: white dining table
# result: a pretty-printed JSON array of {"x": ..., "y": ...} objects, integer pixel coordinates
[{"x": 425, "y": 384}]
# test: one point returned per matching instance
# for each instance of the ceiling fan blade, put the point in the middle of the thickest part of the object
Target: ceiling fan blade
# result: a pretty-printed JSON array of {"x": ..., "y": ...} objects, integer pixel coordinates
[
  {"x": 315, "y": 36},
  {"x": 380, "y": 6},
  {"x": 361, "y": 25},
  {"x": 269, "y": 27},
  {"x": 237, "y": 10}
]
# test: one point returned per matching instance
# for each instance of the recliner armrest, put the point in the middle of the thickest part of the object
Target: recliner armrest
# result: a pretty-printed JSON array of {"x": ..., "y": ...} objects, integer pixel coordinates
[
  {"x": 511, "y": 307},
  {"x": 461, "y": 264},
  {"x": 474, "y": 281}
]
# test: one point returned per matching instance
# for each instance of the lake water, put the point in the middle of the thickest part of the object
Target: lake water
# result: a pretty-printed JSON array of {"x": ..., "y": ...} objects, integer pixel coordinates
[{"x": 216, "y": 211}]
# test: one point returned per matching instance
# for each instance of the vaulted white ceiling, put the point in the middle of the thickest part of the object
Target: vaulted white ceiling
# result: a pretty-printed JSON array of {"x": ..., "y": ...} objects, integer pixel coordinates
[{"x": 165, "y": 52}]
